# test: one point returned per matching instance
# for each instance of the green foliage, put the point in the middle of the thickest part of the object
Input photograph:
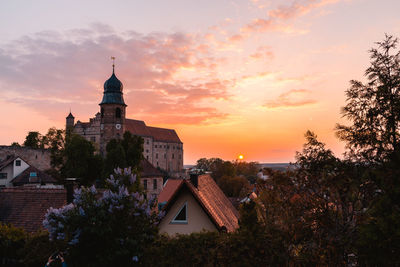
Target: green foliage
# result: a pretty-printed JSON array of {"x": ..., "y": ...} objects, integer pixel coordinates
[
  {"x": 234, "y": 186},
  {"x": 33, "y": 140},
  {"x": 12, "y": 239},
  {"x": 127, "y": 152},
  {"x": 81, "y": 161},
  {"x": 113, "y": 229},
  {"x": 374, "y": 107},
  {"x": 215, "y": 249},
  {"x": 16, "y": 144},
  {"x": 38, "y": 248}
]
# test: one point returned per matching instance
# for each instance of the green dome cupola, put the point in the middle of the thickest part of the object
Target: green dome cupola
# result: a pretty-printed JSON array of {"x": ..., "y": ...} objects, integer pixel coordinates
[{"x": 113, "y": 91}]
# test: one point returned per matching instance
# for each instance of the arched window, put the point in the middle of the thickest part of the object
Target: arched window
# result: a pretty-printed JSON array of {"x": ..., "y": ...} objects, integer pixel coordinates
[
  {"x": 102, "y": 112},
  {"x": 118, "y": 113}
]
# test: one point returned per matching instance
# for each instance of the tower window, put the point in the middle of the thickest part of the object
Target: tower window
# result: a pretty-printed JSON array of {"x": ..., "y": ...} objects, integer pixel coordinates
[
  {"x": 102, "y": 112},
  {"x": 154, "y": 184},
  {"x": 118, "y": 113}
]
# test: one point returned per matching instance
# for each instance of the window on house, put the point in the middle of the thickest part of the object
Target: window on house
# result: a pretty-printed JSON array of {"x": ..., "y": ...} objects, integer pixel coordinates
[
  {"x": 147, "y": 142},
  {"x": 157, "y": 163},
  {"x": 155, "y": 146},
  {"x": 93, "y": 139},
  {"x": 147, "y": 151},
  {"x": 181, "y": 216},
  {"x": 18, "y": 162},
  {"x": 147, "y": 157},
  {"x": 167, "y": 147},
  {"x": 33, "y": 174},
  {"x": 165, "y": 156},
  {"x": 145, "y": 184},
  {"x": 173, "y": 156},
  {"x": 3, "y": 175},
  {"x": 118, "y": 113},
  {"x": 156, "y": 156},
  {"x": 154, "y": 184}
]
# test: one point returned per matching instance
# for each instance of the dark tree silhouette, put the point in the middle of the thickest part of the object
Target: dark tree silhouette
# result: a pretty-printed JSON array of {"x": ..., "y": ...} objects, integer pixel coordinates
[{"x": 374, "y": 107}]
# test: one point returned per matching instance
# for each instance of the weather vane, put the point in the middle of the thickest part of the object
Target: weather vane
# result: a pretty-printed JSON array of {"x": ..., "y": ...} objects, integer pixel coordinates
[{"x": 113, "y": 59}]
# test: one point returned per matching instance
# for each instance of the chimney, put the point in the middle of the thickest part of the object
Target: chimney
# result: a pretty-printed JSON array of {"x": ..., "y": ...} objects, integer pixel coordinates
[
  {"x": 194, "y": 179},
  {"x": 69, "y": 185}
]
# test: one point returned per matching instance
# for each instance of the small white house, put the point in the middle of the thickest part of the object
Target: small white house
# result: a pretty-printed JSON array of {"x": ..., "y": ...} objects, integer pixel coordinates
[
  {"x": 11, "y": 168},
  {"x": 14, "y": 171}
]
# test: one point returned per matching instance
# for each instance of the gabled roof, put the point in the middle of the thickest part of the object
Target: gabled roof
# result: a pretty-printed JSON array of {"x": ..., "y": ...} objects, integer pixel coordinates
[
  {"x": 210, "y": 197},
  {"x": 7, "y": 161},
  {"x": 26, "y": 207},
  {"x": 137, "y": 127},
  {"x": 41, "y": 177},
  {"x": 148, "y": 170}
]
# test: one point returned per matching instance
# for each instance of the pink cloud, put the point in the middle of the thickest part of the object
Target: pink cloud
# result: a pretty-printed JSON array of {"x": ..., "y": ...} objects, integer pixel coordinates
[
  {"x": 277, "y": 17},
  {"x": 292, "y": 98},
  {"x": 53, "y": 71}
]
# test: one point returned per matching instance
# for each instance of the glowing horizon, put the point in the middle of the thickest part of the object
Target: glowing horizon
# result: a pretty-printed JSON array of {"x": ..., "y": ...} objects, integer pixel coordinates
[{"x": 231, "y": 77}]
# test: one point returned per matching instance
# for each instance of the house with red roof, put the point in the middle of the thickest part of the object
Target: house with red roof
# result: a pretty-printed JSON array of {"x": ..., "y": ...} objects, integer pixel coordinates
[
  {"x": 195, "y": 205},
  {"x": 26, "y": 207}
]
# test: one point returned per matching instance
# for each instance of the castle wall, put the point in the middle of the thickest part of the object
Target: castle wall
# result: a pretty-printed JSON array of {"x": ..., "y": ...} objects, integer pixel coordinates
[{"x": 39, "y": 158}]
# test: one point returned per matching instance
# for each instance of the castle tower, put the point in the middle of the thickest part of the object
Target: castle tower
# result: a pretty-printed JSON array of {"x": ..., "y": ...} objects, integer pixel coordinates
[
  {"x": 69, "y": 121},
  {"x": 112, "y": 112}
]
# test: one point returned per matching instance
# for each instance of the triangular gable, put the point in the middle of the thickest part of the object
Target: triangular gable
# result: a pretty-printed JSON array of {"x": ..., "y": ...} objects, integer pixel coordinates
[{"x": 218, "y": 208}]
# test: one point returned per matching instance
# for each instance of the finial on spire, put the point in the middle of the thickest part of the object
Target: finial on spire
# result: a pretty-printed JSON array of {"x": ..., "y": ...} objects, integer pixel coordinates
[{"x": 113, "y": 59}]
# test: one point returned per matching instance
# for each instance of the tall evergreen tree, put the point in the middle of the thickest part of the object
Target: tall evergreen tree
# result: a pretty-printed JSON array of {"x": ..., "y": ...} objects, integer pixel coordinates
[{"x": 374, "y": 107}]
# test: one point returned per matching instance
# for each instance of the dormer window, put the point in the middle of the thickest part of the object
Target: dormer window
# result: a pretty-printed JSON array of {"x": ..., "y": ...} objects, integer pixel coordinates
[{"x": 18, "y": 162}]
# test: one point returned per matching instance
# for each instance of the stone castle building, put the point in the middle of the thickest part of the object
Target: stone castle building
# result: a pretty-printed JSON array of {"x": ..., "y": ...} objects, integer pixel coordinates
[{"x": 162, "y": 147}]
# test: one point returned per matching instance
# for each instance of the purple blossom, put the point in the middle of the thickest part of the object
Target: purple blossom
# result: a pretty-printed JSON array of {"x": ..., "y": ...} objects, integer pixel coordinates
[{"x": 81, "y": 211}]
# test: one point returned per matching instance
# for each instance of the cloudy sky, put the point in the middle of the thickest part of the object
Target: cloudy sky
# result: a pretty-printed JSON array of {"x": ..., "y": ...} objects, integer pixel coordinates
[{"x": 231, "y": 76}]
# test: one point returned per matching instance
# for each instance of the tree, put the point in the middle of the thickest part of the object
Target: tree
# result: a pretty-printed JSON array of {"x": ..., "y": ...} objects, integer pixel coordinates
[
  {"x": 15, "y": 144},
  {"x": 80, "y": 160},
  {"x": 373, "y": 139},
  {"x": 55, "y": 140},
  {"x": 127, "y": 152},
  {"x": 109, "y": 230},
  {"x": 374, "y": 107},
  {"x": 33, "y": 140}
]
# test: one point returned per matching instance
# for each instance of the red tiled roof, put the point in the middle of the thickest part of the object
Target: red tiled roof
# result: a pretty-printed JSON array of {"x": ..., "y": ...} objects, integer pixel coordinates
[
  {"x": 148, "y": 170},
  {"x": 137, "y": 127},
  {"x": 210, "y": 197},
  {"x": 41, "y": 177},
  {"x": 169, "y": 189},
  {"x": 26, "y": 207}
]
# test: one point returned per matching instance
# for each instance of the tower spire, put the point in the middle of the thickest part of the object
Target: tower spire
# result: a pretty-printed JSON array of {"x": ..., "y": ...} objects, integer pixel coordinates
[{"x": 113, "y": 59}]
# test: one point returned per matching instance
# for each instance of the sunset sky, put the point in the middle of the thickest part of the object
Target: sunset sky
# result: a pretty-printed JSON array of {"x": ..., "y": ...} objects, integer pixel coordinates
[{"x": 231, "y": 77}]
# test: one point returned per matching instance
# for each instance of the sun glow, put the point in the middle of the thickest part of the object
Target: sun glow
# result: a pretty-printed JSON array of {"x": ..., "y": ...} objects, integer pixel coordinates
[{"x": 240, "y": 157}]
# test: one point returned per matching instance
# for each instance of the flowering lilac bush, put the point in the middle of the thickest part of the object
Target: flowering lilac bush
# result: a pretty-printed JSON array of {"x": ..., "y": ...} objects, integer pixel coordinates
[{"x": 106, "y": 227}]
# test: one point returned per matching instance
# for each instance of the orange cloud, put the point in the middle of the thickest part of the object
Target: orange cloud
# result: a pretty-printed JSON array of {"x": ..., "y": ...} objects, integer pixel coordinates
[
  {"x": 292, "y": 98},
  {"x": 51, "y": 72}
]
